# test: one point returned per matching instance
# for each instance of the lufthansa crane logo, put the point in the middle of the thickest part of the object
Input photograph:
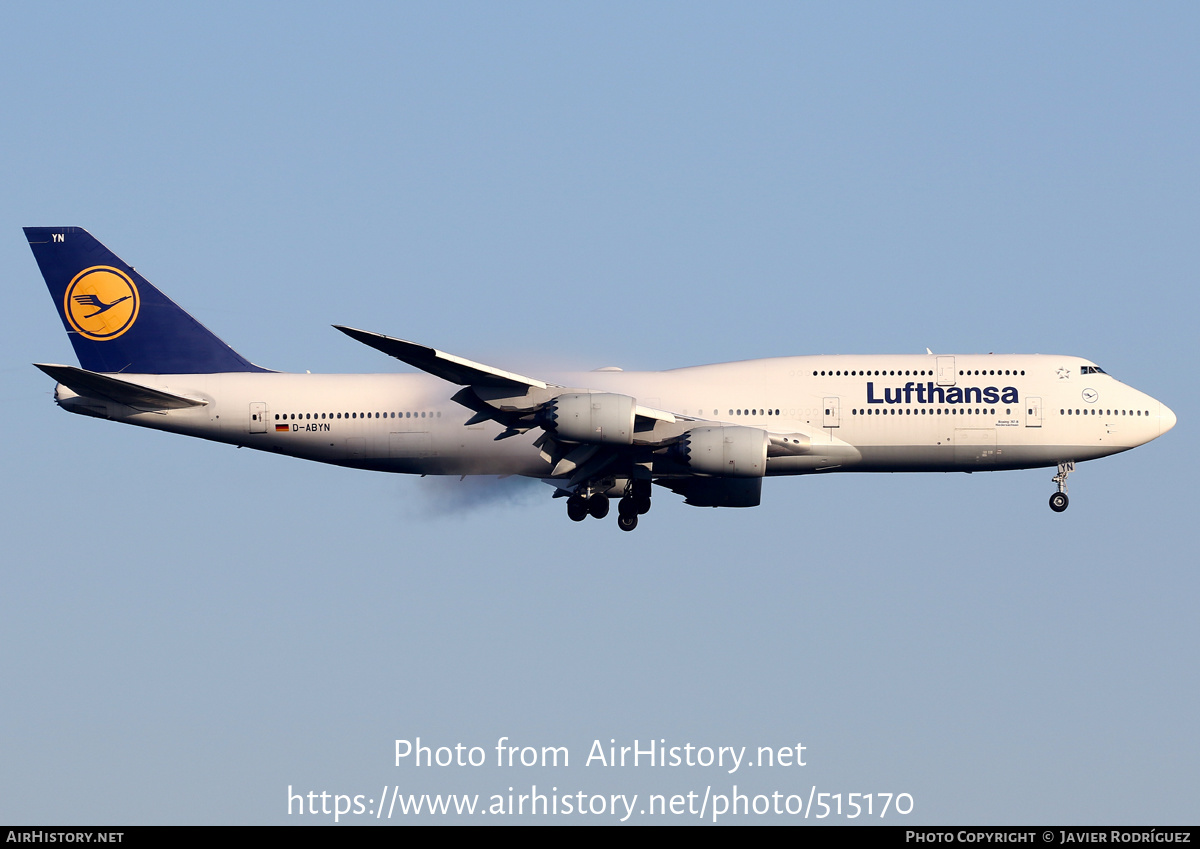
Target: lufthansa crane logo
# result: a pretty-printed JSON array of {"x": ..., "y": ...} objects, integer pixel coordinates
[{"x": 101, "y": 303}]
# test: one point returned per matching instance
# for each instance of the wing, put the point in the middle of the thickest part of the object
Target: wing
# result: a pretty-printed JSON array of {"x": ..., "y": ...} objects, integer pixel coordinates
[
  {"x": 446, "y": 366},
  {"x": 601, "y": 442},
  {"x": 469, "y": 373}
]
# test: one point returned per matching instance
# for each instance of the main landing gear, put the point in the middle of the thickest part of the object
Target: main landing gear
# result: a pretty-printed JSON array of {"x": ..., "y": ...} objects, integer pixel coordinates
[
  {"x": 635, "y": 502},
  {"x": 1059, "y": 500},
  {"x": 629, "y": 508},
  {"x": 580, "y": 507}
]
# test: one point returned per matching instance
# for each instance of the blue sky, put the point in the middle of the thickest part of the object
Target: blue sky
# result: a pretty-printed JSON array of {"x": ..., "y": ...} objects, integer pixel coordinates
[{"x": 186, "y": 630}]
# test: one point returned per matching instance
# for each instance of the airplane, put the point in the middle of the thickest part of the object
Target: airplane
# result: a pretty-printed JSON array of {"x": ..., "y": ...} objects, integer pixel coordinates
[{"x": 710, "y": 433}]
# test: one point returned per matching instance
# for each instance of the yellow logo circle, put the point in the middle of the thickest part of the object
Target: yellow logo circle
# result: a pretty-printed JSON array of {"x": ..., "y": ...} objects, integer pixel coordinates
[{"x": 101, "y": 303}]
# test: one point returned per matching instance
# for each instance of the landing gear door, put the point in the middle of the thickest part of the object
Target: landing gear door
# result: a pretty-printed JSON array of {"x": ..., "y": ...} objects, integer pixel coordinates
[
  {"x": 1033, "y": 412},
  {"x": 833, "y": 412},
  {"x": 258, "y": 417}
]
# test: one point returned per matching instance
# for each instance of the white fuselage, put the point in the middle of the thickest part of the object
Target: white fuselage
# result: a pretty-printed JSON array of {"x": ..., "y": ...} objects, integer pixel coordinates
[{"x": 883, "y": 413}]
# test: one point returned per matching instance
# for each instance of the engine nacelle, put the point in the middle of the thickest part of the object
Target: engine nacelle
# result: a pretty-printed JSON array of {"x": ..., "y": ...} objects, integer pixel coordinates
[
  {"x": 592, "y": 417},
  {"x": 737, "y": 452}
]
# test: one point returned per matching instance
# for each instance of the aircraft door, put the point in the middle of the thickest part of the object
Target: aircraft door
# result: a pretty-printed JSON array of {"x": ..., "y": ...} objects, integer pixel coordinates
[
  {"x": 410, "y": 444},
  {"x": 974, "y": 446},
  {"x": 833, "y": 412},
  {"x": 258, "y": 417},
  {"x": 945, "y": 367},
  {"x": 1033, "y": 412}
]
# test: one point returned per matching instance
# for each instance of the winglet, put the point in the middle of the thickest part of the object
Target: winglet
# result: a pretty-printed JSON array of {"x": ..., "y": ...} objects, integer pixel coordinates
[{"x": 446, "y": 366}]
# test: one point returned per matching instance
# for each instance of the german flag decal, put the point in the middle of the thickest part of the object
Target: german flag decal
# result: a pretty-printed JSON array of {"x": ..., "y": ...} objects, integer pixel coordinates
[{"x": 281, "y": 428}]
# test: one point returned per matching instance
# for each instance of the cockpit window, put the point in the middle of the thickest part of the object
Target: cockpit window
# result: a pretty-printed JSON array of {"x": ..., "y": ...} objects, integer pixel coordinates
[{"x": 1092, "y": 370}]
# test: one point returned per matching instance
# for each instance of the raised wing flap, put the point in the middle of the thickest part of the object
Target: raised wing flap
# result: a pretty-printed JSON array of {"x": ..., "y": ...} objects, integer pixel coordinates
[
  {"x": 114, "y": 389},
  {"x": 657, "y": 415},
  {"x": 446, "y": 366}
]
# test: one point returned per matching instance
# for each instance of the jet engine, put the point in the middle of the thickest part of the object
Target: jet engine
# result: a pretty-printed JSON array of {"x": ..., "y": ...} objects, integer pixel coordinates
[
  {"x": 592, "y": 417},
  {"x": 739, "y": 452}
]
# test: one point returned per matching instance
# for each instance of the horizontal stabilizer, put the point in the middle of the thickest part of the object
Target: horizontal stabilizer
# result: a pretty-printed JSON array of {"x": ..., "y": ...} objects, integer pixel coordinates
[
  {"x": 110, "y": 388},
  {"x": 446, "y": 366}
]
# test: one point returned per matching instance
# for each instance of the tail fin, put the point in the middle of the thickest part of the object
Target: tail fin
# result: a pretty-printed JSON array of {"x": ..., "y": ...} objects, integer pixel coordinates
[{"x": 115, "y": 319}]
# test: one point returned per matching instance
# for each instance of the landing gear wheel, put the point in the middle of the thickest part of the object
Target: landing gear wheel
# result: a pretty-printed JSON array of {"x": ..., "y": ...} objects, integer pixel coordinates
[
  {"x": 597, "y": 506},
  {"x": 637, "y": 499},
  {"x": 577, "y": 509},
  {"x": 1059, "y": 501},
  {"x": 627, "y": 522}
]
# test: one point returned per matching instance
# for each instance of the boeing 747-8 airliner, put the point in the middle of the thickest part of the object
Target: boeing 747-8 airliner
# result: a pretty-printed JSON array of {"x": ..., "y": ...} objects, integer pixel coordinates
[{"x": 710, "y": 433}]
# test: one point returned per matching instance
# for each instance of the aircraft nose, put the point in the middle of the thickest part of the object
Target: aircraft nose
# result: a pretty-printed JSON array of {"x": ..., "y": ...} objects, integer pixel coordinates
[{"x": 1166, "y": 419}]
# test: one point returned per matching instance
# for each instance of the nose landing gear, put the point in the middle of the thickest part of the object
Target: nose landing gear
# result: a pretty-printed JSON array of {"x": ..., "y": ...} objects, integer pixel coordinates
[{"x": 1059, "y": 500}]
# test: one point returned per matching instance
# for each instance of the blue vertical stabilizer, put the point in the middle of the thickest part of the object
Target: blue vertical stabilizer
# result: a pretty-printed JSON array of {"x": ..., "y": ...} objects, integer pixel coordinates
[{"x": 118, "y": 321}]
